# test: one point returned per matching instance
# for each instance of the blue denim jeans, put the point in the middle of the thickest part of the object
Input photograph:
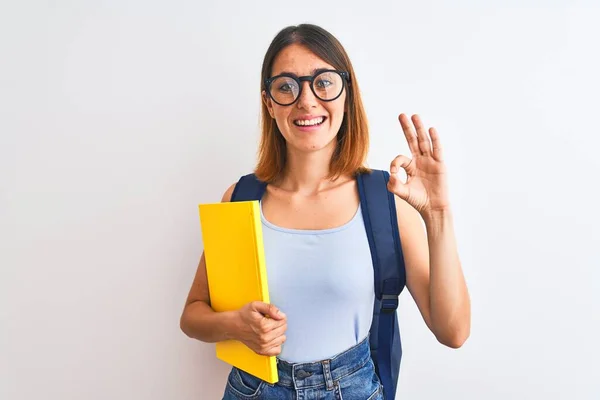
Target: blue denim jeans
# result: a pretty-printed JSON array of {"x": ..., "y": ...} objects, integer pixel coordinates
[{"x": 349, "y": 376}]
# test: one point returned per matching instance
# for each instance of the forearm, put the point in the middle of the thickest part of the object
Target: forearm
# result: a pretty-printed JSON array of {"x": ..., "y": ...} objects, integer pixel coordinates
[
  {"x": 449, "y": 298},
  {"x": 200, "y": 321}
]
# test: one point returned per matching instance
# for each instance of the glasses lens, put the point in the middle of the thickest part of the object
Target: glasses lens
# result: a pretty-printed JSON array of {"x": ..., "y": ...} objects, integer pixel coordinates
[
  {"x": 284, "y": 90},
  {"x": 328, "y": 85}
]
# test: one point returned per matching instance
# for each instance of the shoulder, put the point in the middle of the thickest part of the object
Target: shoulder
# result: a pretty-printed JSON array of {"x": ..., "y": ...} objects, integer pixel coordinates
[
  {"x": 245, "y": 182},
  {"x": 409, "y": 218},
  {"x": 228, "y": 193}
]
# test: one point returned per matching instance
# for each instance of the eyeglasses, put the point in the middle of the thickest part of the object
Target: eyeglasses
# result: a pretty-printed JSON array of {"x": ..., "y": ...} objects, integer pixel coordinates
[{"x": 327, "y": 85}]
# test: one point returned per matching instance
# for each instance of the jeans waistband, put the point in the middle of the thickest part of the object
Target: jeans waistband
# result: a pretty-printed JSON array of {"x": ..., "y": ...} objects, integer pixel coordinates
[{"x": 324, "y": 372}]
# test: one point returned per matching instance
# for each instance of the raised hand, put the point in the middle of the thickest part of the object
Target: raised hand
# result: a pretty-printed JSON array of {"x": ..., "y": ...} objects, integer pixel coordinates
[{"x": 425, "y": 188}]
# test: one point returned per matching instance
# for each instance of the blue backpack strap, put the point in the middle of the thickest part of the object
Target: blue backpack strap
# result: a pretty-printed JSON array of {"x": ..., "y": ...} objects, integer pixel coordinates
[
  {"x": 379, "y": 213},
  {"x": 248, "y": 188}
]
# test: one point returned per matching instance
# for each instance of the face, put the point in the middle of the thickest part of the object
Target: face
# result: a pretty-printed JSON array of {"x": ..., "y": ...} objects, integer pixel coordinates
[{"x": 309, "y": 124}]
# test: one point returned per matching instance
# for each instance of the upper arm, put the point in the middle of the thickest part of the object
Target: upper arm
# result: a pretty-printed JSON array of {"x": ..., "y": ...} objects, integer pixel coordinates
[
  {"x": 199, "y": 289},
  {"x": 416, "y": 256}
]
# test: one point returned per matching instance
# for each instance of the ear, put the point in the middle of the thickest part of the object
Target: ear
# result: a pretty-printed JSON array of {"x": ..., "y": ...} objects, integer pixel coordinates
[{"x": 267, "y": 100}]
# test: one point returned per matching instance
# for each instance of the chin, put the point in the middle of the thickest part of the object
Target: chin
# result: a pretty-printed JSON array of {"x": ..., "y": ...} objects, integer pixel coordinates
[{"x": 314, "y": 143}]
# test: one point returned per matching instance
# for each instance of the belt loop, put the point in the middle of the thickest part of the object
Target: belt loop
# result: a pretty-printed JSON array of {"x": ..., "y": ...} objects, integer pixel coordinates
[{"x": 327, "y": 374}]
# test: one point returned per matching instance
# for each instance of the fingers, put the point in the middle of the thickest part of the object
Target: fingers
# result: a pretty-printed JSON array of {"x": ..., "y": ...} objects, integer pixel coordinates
[
  {"x": 422, "y": 136},
  {"x": 269, "y": 317},
  {"x": 270, "y": 343},
  {"x": 417, "y": 137},
  {"x": 273, "y": 348},
  {"x": 399, "y": 162},
  {"x": 264, "y": 328},
  {"x": 268, "y": 310},
  {"x": 438, "y": 153},
  {"x": 267, "y": 325},
  {"x": 395, "y": 185},
  {"x": 409, "y": 133},
  {"x": 273, "y": 336}
]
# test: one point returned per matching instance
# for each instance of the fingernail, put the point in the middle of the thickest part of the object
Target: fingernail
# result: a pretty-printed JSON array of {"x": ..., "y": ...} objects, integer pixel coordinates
[{"x": 393, "y": 170}]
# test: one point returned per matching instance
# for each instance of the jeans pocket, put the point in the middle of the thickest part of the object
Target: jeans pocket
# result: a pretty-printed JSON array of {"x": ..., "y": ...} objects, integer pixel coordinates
[
  {"x": 244, "y": 385},
  {"x": 361, "y": 384}
]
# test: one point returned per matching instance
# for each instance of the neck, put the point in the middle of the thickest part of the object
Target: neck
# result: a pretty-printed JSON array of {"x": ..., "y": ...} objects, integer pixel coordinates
[{"x": 307, "y": 172}]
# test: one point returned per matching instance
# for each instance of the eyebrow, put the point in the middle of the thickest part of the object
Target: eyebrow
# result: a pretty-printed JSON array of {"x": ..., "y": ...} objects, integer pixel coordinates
[{"x": 314, "y": 72}]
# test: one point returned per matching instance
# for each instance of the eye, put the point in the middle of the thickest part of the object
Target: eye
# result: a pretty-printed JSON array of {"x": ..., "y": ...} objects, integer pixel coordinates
[
  {"x": 324, "y": 83},
  {"x": 286, "y": 87}
]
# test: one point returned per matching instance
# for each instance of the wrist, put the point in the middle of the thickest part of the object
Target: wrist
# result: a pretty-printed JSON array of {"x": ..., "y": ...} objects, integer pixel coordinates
[
  {"x": 437, "y": 221},
  {"x": 432, "y": 216},
  {"x": 232, "y": 323}
]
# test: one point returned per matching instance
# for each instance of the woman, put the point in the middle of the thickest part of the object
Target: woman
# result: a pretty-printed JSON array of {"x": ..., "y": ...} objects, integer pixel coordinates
[{"x": 314, "y": 143}]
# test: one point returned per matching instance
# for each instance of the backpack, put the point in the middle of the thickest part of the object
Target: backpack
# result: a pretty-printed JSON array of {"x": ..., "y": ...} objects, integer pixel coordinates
[{"x": 379, "y": 213}]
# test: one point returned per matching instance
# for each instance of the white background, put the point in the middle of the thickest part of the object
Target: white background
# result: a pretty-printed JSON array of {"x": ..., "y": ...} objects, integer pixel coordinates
[{"x": 118, "y": 117}]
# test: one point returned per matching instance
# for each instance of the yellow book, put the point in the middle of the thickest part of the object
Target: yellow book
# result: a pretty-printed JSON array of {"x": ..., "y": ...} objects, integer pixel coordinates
[{"x": 237, "y": 275}]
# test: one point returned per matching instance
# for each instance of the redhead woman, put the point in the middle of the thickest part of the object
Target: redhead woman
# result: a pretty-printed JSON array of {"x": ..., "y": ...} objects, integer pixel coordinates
[{"x": 314, "y": 144}]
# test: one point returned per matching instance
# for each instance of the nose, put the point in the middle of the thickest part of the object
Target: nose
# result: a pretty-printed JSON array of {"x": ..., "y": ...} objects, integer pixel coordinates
[{"x": 307, "y": 99}]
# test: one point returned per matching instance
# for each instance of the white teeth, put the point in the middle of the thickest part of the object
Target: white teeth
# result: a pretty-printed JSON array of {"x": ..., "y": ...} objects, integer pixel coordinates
[{"x": 309, "y": 122}]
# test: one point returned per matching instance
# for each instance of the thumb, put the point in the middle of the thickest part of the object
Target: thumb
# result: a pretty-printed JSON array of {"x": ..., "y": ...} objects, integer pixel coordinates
[
  {"x": 268, "y": 310},
  {"x": 396, "y": 186}
]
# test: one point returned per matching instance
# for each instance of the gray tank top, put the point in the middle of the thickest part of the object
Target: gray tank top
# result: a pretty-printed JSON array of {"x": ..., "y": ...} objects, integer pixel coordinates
[{"x": 323, "y": 281}]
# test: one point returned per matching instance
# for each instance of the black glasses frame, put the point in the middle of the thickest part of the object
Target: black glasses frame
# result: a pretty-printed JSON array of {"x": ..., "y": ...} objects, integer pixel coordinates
[{"x": 309, "y": 78}]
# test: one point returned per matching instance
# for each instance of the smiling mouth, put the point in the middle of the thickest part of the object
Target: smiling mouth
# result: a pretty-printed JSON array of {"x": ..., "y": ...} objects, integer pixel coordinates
[{"x": 310, "y": 122}]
